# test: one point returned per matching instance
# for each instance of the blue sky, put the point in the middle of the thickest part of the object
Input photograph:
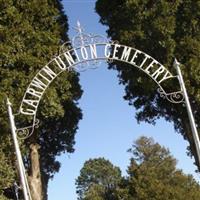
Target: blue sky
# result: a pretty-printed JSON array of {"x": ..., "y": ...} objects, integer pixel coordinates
[{"x": 108, "y": 127}]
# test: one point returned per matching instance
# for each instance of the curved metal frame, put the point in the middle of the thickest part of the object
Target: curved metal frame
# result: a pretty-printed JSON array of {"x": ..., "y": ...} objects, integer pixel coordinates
[{"x": 79, "y": 42}]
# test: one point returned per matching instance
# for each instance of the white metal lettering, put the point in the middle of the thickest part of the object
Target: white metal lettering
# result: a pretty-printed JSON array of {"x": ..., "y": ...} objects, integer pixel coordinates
[
  {"x": 107, "y": 50},
  {"x": 49, "y": 72},
  {"x": 28, "y": 111},
  {"x": 167, "y": 75},
  {"x": 69, "y": 58},
  {"x": 76, "y": 54},
  {"x": 126, "y": 53},
  {"x": 44, "y": 77},
  {"x": 157, "y": 73},
  {"x": 135, "y": 56},
  {"x": 36, "y": 82},
  {"x": 145, "y": 59},
  {"x": 30, "y": 102},
  {"x": 34, "y": 92},
  {"x": 151, "y": 65},
  {"x": 60, "y": 63},
  {"x": 115, "y": 51},
  {"x": 93, "y": 50},
  {"x": 84, "y": 53}
]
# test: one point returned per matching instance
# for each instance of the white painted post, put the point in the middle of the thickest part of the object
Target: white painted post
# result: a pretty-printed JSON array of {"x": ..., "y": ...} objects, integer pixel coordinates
[
  {"x": 189, "y": 111},
  {"x": 17, "y": 150}
]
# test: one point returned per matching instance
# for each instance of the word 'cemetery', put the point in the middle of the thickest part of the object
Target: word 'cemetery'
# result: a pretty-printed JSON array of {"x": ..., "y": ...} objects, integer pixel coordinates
[{"x": 72, "y": 58}]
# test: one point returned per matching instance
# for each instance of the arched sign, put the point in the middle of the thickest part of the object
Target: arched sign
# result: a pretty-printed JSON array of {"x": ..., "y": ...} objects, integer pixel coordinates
[{"x": 88, "y": 50}]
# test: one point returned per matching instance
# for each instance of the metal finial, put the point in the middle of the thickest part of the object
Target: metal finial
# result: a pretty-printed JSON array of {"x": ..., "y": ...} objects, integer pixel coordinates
[
  {"x": 8, "y": 102},
  {"x": 78, "y": 24},
  {"x": 176, "y": 63},
  {"x": 78, "y": 29}
]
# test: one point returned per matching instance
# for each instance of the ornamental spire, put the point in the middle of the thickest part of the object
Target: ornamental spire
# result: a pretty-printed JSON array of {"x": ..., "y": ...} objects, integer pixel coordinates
[{"x": 80, "y": 32}]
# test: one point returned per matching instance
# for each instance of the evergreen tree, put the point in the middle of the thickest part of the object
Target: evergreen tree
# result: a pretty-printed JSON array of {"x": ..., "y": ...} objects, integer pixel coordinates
[
  {"x": 98, "y": 180},
  {"x": 31, "y": 33},
  {"x": 153, "y": 174},
  {"x": 163, "y": 29}
]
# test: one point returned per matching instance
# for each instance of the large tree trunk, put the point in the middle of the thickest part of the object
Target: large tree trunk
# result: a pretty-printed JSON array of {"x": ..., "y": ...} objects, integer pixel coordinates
[{"x": 35, "y": 182}]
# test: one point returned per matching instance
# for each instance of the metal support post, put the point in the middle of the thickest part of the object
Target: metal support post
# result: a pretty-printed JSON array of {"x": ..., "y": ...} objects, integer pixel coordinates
[
  {"x": 189, "y": 111},
  {"x": 17, "y": 150}
]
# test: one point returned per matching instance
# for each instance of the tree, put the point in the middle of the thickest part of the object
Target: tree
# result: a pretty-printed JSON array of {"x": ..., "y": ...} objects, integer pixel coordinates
[
  {"x": 7, "y": 173},
  {"x": 164, "y": 30},
  {"x": 98, "y": 180},
  {"x": 153, "y": 174},
  {"x": 31, "y": 33}
]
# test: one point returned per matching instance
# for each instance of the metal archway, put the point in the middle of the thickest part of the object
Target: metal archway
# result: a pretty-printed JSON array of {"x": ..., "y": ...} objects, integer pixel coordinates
[{"x": 87, "y": 51}]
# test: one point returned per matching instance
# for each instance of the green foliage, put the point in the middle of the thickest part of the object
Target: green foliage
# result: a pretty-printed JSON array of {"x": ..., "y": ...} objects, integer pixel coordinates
[
  {"x": 31, "y": 33},
  {"x": 98, "y": 180},
  {"x": 7, "y": 172},
  {"x": 152, "y": 175},
  {"x": 2, "y": 197},
  {"x": 163, "y": 29}
]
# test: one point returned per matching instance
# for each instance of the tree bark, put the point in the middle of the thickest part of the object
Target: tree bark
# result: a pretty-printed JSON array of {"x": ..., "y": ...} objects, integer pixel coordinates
[{"x": 34, "y": 178}]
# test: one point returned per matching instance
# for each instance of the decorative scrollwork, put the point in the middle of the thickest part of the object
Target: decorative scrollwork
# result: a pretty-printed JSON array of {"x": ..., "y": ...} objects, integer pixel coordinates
[
  {"x": 25, "y": 132},
  {"x": 99, "y": 39},
  {"x": 173, "y": 97},
  {"x": 111, "y": 60},
  {"x": 81, "y": 40},
  {"x": 65, "y": 47},
  {"x": 80, "y": 54},
  {"x": 84, "y": 39},
  {"x": 81, "y": 67}
]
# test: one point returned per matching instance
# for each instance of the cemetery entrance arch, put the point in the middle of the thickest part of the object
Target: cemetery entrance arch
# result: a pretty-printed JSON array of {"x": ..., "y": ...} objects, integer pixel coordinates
[{"x": 86, "y": 51}]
